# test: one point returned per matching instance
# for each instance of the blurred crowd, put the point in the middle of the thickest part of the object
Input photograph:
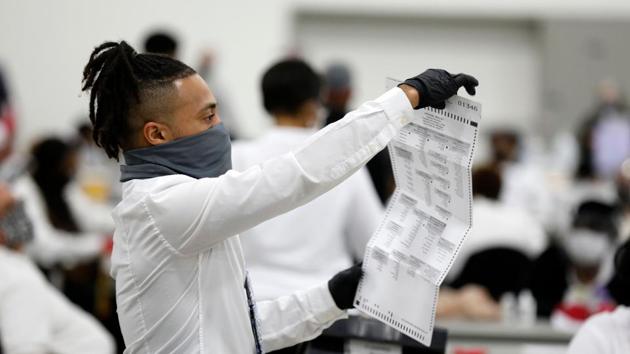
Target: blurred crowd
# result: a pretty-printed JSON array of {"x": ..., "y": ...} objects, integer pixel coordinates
[{"x": 547, "y": 220}]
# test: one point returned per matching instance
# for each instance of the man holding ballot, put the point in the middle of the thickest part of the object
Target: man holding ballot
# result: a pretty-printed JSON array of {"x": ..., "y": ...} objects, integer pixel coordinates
[{"x": 181, "y": 282}]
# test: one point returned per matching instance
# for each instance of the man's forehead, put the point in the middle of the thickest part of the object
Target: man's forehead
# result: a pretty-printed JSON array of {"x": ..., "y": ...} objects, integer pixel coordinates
[{"x": 193, "y": 91}]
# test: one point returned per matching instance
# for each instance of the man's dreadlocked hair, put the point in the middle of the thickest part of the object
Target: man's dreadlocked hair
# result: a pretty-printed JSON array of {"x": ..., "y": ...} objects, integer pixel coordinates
[{"x": 121, "y": 80}]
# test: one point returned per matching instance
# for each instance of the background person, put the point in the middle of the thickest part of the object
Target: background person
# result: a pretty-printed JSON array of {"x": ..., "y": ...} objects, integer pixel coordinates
[
  {"x": 306, "y": 246},
  {"x": 607, "y": 333},
  {"x": 34, "y": 316}
]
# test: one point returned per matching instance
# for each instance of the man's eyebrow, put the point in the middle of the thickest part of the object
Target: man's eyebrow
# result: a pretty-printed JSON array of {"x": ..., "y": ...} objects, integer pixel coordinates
[{"x": 211, "y": 105}]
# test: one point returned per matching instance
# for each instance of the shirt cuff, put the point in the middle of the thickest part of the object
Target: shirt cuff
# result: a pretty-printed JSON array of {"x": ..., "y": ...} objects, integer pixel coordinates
[
  {"x": 323, "y": 306},
  {"x": 396, "y": 106}
]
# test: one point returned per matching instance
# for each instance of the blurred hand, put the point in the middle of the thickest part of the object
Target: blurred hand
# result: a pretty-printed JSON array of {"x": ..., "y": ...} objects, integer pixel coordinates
[
  {"x": 108, "y": 245},
  {"x": 206, "y": 59},
  {"x": 343, "y": 286},
  {"x": 6, "y": 199},
  {"x": 436, "y": 85},
  {"x": 476, "y": 303}
]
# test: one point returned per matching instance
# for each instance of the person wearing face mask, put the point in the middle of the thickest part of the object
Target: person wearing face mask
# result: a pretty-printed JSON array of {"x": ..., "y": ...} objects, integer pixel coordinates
[
  {"x": 306, "y": 249},
  {"x": 582, "y": 290},
  {"x": 34, "y": 316},
  {"x": 608, "y": 333},
  {"x": 181, "y": 282},
  {"x": 42, "y": 190},
  {"x": 59, "y": 245}
]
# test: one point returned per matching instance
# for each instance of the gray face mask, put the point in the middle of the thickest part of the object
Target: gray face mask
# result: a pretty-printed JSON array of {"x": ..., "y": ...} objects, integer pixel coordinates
[
  {"x": 207, "y": 154},
  {"x": 17, "y": 227}
]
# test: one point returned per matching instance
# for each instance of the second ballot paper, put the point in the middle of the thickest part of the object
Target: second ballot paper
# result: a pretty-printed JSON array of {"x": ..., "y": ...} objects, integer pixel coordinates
[{"x": 427, "y": 219}]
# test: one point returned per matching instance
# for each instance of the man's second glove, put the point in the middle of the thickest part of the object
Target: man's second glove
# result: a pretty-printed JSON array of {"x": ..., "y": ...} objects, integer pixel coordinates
[
  {"x": 343, "y": 286},
  {"x": 436, "y": 85}
]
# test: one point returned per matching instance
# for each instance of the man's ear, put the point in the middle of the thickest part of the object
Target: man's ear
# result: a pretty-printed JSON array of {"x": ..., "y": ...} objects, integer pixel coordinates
[{"x": 157, "y": 133}]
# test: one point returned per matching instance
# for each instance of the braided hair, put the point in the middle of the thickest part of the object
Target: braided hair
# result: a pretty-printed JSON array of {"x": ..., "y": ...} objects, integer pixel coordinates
[{"x": 122, "y": 83}]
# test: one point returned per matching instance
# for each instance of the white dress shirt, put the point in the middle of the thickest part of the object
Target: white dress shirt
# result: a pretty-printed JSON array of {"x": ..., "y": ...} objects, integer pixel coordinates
[
  {"x": 605, "y": 333},
  {"x": 51, "y": 245},
  {"x": 35, "y": 318},
  {"x": 308, "y": 245},
  {"x": 177, "y": 259}
]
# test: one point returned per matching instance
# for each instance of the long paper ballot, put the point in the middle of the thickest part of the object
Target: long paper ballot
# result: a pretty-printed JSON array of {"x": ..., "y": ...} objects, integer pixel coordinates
[{"x": 426, "y": 221}]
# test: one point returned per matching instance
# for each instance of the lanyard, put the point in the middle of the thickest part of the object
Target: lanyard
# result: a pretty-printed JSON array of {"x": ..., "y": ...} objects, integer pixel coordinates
[{"x": 252, "y": 314}]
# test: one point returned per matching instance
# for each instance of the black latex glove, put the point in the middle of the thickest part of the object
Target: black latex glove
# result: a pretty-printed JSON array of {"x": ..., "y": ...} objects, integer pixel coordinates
[
  {"x": 343, "y": 286},
  {"x": 436, "y": 85}
]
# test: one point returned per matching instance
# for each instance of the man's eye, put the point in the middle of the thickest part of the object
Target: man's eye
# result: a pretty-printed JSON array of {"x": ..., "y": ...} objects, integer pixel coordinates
[{"x": 210, "y": 117}]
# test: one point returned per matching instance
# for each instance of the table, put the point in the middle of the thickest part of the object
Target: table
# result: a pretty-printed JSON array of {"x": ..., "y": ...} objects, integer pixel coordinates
[
  {"x": 505, "y": 338},
  {"x": 333, "y": 340}
]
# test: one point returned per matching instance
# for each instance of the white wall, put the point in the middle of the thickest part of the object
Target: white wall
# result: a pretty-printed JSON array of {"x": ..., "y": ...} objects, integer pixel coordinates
[
  {"x": 577, "y": 56},
  {"x": 503, "y": 55},
  {"x": 44, "y": 44}
]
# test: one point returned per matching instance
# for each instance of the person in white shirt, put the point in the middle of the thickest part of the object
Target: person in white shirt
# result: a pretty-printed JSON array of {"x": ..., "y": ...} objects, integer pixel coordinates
[
  {"x": 496, "y": 224},
  {"x": 308, "y": 245},
  {"x": 34, "y": 316},
  {"x": 51, "y": 245},
  {"x": 59, "y": 240},
  {"x": 69, "y": 255},
  {"x": 181, "y": 283},
  {"x": 524, "y": 185},
  {"x": 609, "y": 332}
]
